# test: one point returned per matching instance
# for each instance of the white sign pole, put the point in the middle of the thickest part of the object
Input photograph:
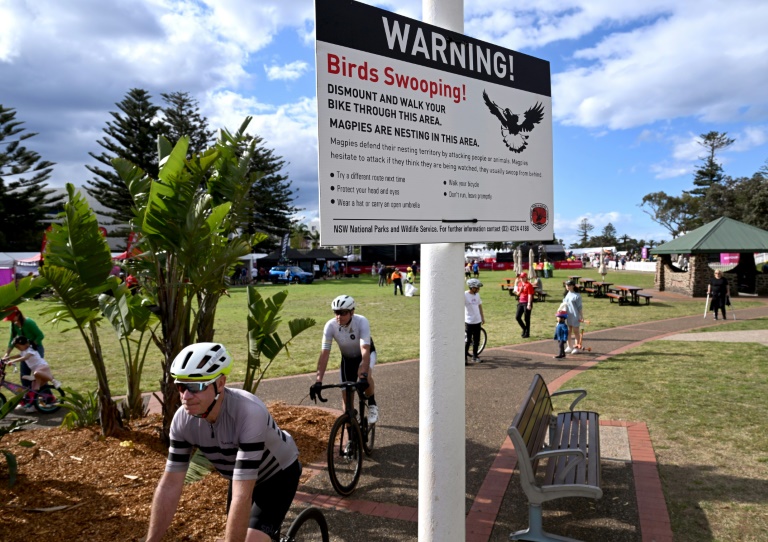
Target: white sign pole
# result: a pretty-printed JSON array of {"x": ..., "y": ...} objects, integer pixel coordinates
[{"x": 442, "y": 445}]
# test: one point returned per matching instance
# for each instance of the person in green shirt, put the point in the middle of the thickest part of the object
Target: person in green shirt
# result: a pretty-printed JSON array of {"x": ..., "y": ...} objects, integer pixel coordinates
[{"x": 24, "y": 327}]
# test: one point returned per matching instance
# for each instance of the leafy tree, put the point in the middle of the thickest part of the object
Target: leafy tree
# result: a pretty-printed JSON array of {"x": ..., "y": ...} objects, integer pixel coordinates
[
  {"x": 271, "y": 194},
  {"x": 711, "y": 172},
  {"x": 299, "y": 235},
  {"x": 583, "y": 230},
  {"x": 186, "y": 221},
  {"x": 744, "y": 199},
  {"x": 131, "y": 135},
  {"x": 77, "y": 266},
  {"x": 607, "y": 237},
  {"x": 677, "y": 214},
  {"x": 24, "y": 202},
  {"x": 181, "y": 117}
]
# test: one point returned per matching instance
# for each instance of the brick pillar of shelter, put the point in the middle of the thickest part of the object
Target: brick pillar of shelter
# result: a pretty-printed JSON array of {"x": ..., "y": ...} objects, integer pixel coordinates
[
  {"x": 658, "y": 280},
  {"x": 701, "y": 274}
]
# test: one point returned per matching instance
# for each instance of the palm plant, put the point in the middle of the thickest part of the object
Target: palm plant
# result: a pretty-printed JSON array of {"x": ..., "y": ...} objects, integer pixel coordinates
[
  {"x": 133, "y": 322},
  {"x": 263, "y": 339},
  {"x": 186, "y": 222},
  {"x": 77, "y": 266}
]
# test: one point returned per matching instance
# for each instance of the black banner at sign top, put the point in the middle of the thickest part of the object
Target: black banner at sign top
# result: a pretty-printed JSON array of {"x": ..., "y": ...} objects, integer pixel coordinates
[{"x": 365, "y": 28}]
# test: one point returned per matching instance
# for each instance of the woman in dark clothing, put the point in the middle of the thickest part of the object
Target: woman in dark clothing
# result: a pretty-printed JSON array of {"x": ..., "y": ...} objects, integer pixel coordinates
[{"x": 719, "y": 290}]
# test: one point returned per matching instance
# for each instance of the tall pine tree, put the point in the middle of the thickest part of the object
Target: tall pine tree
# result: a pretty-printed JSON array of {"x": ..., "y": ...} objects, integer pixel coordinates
[
  {"x": 132, "y": 134},
  {"x": 25, "y": 203},
  {"x": 711, "y": 172},
  {"x": 181, "y": 117},
  {"x": 271, "y": 195}
]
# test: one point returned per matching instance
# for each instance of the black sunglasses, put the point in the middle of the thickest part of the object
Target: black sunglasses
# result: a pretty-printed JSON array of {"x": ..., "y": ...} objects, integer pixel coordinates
[
  {"x": 341, "y": 313},
  {"x": 194, "y": 387}
]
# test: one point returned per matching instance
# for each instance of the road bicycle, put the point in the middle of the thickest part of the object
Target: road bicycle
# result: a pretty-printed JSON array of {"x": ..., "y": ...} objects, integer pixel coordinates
[
  {"x": 309, "y": 525},
  {"x": 481, "y": 345},
  {"x": 46, "y": 400},
  {"x": 351, "y": 435}
]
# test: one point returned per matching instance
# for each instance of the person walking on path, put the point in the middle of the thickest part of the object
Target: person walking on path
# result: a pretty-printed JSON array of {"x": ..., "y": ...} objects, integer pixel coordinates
[
  {"x": 235, "y": 431},
  {"x": 561, "y": 333},
  {"x": 475, "y": 269},
  {"x": 473, "y": 319},
  {"x": 352, "y": 332},
  {"x": 382, "y": 274},
  {"x": 575, "y": 311},
  {"x": 24, "y": 327},
  {"x": 524, "y": 305},
  {"x": 397, "y": 280},
  {"x": 720, "y": 291}
]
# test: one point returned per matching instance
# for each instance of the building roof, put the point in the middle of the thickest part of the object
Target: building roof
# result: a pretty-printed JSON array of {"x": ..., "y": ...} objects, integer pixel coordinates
[{"x": 721, "y": 235}]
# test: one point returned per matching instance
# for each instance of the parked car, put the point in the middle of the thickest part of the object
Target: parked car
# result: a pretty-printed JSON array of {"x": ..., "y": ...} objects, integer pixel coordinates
[{"x": 277, "y": 274}]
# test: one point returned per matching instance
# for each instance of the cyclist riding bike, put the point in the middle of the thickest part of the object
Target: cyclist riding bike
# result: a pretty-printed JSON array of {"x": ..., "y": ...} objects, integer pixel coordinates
[
  {"x": 352, "y": 333},
  {"x": 235, "y": 431}
]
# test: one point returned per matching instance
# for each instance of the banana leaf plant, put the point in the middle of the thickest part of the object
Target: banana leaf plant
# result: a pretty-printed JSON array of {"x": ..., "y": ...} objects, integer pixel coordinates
[
  {"x": 77, "y": 266},
  {"x": 12, "y": 294},
  {"x": 186, "y": 222},
  {"x": 264, "y": 343},
  {"x": 134, "y": 325}
]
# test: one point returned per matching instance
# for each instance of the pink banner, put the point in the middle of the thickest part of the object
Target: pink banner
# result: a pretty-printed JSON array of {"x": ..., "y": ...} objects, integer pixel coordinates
[
  {"x": 566, "y": 264},
  {"x": 729, "y": 258}
]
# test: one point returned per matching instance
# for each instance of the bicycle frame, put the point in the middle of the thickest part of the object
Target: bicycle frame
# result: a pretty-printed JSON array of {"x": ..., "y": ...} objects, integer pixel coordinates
[{"x": 17, "y": 388}]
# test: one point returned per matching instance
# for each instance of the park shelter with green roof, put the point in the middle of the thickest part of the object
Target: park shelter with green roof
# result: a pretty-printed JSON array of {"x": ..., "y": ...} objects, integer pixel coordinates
[{"x": 723, "y": 235}]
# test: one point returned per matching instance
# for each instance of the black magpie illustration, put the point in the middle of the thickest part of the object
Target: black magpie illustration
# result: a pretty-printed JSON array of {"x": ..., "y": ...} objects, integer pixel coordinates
[{"x": 515, "y": 133}]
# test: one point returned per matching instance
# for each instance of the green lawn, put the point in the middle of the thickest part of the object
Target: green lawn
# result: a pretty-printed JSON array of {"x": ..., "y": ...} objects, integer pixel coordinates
[
  {"x": 394, "y": 322},
  {"x": 705, "y": 404}
]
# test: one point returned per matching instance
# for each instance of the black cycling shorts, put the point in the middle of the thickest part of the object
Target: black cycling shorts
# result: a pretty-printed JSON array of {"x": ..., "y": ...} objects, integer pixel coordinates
[
  {"x": 349, "y": 366},
  {"x": 272, "y": 499}
]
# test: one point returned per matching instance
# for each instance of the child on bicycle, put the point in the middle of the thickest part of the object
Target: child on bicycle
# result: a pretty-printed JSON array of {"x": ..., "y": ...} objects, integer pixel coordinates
[{"x": 41, "y": 371}]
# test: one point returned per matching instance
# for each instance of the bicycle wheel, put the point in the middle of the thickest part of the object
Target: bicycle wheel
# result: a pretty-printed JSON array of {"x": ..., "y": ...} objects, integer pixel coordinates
[
  {"x": 483, "y": 340},
  {"x": 367, "y": 431},
  {"x": 345, "y": 458},
  {"x": 48, "y": 399},
  {"x": 308, "y": 526}
]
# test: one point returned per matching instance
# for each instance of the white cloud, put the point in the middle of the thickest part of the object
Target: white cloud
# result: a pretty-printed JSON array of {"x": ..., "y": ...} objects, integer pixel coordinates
[
  {"x": 287, "y": 72},
  {"x": 700, "y": 61}
]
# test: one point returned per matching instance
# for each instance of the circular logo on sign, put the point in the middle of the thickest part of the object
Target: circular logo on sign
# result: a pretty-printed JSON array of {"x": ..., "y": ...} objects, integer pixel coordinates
[{"x": 539, "y": 216}]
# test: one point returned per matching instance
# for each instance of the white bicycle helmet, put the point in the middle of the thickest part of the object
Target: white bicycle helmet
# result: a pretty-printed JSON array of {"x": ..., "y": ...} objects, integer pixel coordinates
[
  {"x": 343, "y": 303},
  {"x": 201, "y": 361},
  {"x": 474, "y": 283}
]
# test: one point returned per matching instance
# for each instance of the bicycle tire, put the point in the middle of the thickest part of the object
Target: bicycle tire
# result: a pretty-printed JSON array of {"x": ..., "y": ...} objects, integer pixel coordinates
[
  {"x": 344, "y": 468},
  {"x": 367, "y": 432},
  {"x": 483, "y": 340},
  {"x": 42, "y": 401},
  {"x": 309, "y": 525}
]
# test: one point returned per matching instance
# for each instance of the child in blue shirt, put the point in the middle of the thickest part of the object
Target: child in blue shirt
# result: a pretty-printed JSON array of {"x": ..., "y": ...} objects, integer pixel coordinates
[{"x": 561, "y": 333}]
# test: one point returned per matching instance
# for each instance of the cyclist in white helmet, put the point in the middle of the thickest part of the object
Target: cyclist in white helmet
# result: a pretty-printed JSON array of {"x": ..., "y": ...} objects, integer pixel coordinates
[
  {"x": 473, "y": 319},
  {"x": 235, "y": 431},
  {"x": 352, "y": 333}
]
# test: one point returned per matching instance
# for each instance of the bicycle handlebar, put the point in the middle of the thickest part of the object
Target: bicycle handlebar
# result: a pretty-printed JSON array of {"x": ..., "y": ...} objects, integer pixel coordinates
[{"x": 315, "y": 393}]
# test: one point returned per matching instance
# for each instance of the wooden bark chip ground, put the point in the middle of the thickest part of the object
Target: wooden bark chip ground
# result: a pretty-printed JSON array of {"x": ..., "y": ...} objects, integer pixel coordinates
[{"x": 76, "y": 485}]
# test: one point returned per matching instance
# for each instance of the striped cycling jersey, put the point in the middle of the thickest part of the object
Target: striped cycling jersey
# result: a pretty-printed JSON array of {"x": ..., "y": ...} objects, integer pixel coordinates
[{"x": 244, "y": 443}]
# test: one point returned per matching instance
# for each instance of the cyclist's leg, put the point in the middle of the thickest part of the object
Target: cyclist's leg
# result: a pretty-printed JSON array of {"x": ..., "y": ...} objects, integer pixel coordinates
[
  {"x": 348, "y": 373},
  {"x": 271, "y": 501}
]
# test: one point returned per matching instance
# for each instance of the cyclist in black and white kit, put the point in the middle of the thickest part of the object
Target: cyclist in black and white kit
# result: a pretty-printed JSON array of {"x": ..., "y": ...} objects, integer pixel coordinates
[
  {"x": 235, "y": 431},
  {"x": 352, "y": 333}
]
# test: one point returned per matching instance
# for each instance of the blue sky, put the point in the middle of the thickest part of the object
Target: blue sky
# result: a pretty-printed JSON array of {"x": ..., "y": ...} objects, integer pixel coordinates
[{"x": 633, "y": 85}]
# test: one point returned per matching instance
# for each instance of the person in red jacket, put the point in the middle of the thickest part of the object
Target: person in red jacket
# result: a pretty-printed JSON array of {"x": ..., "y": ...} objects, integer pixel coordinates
[{"x": 524, "y": 305}]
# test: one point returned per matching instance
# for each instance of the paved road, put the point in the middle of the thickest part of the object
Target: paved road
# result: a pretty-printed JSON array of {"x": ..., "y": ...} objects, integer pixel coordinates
[{"x": 493, "y": 391}]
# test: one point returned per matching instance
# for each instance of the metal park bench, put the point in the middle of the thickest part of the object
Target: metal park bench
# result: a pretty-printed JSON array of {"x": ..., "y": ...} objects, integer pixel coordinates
[{"x": 569, "y": 444}]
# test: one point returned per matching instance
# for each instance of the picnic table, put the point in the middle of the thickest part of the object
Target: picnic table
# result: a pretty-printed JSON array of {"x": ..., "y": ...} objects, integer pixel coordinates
[
  {"x": 601, "y": 288},
  {"x": 586, "y": 285},
  {"x": 627, "y": 294}
]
